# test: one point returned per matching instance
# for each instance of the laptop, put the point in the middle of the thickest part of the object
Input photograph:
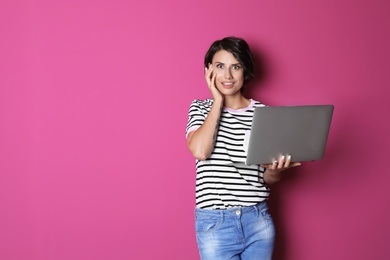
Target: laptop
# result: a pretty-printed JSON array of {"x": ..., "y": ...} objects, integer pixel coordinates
[{"x": 299, "y": 131}]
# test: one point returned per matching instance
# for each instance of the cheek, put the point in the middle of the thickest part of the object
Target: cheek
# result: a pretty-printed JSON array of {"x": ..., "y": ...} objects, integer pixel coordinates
[
  {"x": 218, "y": 72},
  {"x": 239, "y": 76},
  {"x": 219, "y": 77}
]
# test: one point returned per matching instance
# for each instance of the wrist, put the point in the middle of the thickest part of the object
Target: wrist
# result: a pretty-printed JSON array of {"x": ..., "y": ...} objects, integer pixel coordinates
[{"x": 218, "y": 104}]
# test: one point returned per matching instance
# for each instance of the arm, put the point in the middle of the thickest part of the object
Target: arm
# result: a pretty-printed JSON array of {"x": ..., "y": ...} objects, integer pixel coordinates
[{"x": 201, "y": 141}]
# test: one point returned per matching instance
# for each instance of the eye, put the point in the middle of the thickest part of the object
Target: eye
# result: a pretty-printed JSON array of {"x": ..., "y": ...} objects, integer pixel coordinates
[
  {"x": 236, "y": 67},
  {"x": 220, "y": 66}
]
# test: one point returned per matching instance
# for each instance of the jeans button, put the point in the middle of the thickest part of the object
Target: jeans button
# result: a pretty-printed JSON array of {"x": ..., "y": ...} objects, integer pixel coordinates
[{"x": 238, "y": 212}]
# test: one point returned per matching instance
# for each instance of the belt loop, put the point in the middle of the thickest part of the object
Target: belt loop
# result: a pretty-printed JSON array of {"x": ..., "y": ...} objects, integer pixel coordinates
[{"x": 257, "y": 209}]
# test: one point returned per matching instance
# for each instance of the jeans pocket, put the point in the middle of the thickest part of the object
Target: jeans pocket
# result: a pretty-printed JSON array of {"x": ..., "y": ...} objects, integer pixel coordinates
[
  {"x": 268, "y": 222},
  {"x": 207, "y": 224},
  {"x": 264, "y": 212}
]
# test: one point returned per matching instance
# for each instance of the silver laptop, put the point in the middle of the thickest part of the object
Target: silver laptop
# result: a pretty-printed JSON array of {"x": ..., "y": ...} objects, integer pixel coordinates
[{"x": 300, "y": 131}]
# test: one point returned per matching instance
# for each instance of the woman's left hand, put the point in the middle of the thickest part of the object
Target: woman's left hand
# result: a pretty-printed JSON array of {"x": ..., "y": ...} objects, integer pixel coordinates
[
  {"x": 274, "y": 170},
  {"x": 283, "y": 163}
]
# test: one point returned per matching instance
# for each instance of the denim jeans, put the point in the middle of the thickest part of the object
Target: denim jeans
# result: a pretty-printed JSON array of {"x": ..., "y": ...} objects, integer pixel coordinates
[{"x": 245, "y": 233}]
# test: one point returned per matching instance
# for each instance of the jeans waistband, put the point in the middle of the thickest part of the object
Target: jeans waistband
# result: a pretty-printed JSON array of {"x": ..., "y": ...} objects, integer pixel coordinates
[{"x": 233, "y": 211}]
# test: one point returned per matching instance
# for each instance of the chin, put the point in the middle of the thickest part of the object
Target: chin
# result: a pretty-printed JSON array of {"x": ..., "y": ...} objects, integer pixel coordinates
[{"x": 231, "y": 93}]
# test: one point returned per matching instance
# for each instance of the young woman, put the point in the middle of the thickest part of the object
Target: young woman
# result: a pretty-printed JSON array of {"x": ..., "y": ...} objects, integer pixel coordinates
[{"x": 232, "y": 219}]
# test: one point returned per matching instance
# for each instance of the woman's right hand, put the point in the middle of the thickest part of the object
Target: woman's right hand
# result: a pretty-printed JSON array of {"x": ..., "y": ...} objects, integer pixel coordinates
[{"x": 210, "y": 79}]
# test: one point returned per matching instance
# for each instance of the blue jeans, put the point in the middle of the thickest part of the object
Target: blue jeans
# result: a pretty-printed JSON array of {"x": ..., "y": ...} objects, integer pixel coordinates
[{"x": 245, "y": 233}]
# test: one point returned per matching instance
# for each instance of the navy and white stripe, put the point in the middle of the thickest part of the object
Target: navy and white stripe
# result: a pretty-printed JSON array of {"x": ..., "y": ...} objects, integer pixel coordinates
[{"x": 223, "y": 180}]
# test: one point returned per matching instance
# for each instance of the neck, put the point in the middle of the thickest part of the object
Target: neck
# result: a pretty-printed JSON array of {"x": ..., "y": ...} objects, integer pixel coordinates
[{"x": 236, "y": 102}]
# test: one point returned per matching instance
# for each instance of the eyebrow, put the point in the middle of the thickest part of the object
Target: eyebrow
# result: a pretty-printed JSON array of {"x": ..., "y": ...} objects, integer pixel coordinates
[{"x": 234, "y": 64}]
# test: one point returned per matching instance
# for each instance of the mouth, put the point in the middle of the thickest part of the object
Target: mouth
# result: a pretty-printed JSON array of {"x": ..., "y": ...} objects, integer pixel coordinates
[{"x": 227, "y": 84}]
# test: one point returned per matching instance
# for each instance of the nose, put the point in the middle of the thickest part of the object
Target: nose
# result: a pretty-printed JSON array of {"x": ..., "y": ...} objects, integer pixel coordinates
[{"x": 228, "y": 74}]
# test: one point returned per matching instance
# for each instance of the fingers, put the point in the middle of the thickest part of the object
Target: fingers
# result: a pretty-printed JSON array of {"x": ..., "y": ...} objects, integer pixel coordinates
[
  {"x": 271, "y": 166},
  {"x": 213, "y": 80},
  {"x": 209, "y": 76},
  {"x": 282, "y": 163},
  {"x": 295, "y": 164}
]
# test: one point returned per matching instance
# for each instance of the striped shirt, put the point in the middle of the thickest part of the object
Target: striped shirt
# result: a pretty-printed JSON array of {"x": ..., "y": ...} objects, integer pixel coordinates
[{"x": 223, "y": 180}]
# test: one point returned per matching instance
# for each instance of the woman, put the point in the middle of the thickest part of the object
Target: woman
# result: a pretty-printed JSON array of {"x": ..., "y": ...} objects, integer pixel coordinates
[{"x": 232, "y": 219}]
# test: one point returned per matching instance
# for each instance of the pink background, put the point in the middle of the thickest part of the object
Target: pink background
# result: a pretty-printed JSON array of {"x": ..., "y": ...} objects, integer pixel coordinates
[{"x": 94, "y": 98}]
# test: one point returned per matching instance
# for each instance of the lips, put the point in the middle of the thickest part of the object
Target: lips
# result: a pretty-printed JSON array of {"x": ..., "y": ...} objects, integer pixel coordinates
[{"x": 227, "y": 84}]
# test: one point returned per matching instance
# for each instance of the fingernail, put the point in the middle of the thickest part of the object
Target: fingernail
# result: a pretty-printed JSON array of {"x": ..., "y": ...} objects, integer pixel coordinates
[
  {"x": 283, "y": 157},
  {"x": 289, "y": 157}
]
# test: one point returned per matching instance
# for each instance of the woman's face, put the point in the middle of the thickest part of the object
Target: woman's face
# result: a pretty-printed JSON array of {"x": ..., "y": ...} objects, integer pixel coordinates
[{"x": 229, "y": 73}]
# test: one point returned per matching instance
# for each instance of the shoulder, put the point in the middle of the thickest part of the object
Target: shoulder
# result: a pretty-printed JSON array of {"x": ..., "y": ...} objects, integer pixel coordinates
[
  {"x": 200, "y": 104},
  {"x": 256, "y": 103}
]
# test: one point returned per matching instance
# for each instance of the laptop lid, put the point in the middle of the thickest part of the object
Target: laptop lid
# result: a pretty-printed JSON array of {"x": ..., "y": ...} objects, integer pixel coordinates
[{"x": 300, "y": 131}]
